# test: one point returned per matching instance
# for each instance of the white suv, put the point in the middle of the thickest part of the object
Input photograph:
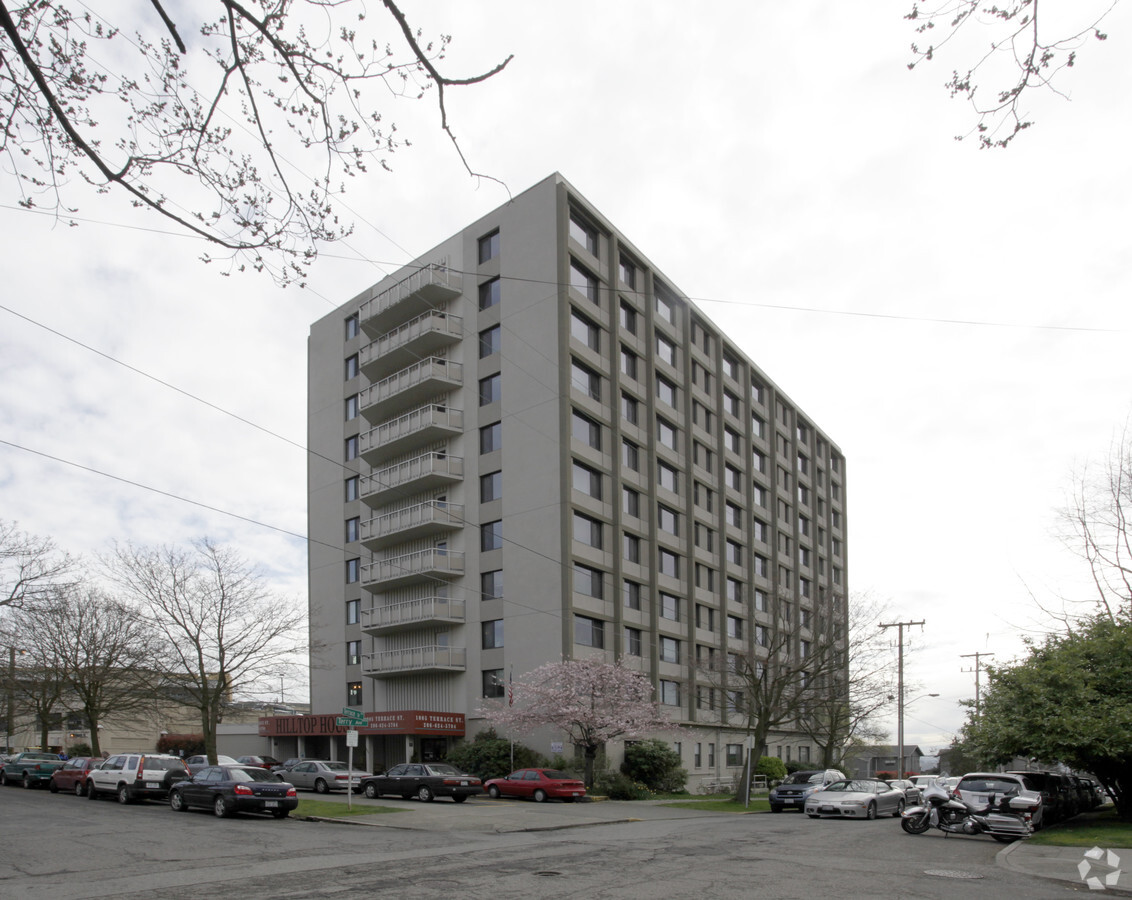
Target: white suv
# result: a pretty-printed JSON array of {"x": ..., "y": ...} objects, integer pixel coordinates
[{"x": 130, "y": 776}]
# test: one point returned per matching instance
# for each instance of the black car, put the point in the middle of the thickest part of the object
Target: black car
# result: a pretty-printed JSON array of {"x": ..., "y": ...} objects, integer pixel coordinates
[
  {"x": 424, "y": 781},
  {"x": 229, "y": 789}
]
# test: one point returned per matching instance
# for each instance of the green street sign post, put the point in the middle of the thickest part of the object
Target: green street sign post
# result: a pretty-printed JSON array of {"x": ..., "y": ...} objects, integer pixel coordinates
[{"x": 350, "y": 718}]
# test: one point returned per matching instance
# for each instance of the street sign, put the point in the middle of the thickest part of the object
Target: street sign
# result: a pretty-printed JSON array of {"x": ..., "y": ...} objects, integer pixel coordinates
[
  {"x": 348, "y": 713},
  {"x": 343, "y": 722}
]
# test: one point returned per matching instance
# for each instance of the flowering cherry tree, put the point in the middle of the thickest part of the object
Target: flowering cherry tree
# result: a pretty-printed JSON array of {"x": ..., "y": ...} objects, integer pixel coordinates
[{"x": 592, "y": 701}]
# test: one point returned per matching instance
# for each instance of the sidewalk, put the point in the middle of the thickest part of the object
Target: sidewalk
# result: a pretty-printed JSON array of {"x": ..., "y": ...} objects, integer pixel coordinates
[{"x": 1069, "y": 864}]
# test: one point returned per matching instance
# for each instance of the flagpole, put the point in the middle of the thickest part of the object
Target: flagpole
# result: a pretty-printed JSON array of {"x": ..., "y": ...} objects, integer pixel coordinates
[{"x": 511, "y": 702}]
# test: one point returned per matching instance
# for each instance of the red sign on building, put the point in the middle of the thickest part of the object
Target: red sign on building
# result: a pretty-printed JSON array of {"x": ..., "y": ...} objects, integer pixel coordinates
[{"x": 418, "y": 722}]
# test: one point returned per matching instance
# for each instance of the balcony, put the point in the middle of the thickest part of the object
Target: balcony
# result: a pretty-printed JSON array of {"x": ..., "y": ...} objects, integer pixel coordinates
[
  {"x": 412, "y": 385},
  {"x": 423, "y": 336},
  {"x": 425, "y": 289},
  {"x": 423, "y": 565},
  {"x": 413, "y": 614},
  {"x": 416, "y": 475},
  {"x": 391, "y": 663},
  {"x": 421, "y": 426},
  {"x": 422, "y": 520}
]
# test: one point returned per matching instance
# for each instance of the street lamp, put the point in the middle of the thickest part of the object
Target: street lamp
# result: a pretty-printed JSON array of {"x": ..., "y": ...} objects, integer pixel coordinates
[{"x": 900, "y": 705}]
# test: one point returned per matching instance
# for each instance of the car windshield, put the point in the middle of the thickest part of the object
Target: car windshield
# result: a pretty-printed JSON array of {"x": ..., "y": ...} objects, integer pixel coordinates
[
  {"x": 804, "y": 778},
  {"x": 555, "y": 774},
  {"x": 855, "y": 786},
  {"x": 443, "y": 769},
  {"x": 251, "y": 774},
  {"x": 335, "y": 766},
  {"x": 163, "y": 765},
  {"x": 988, "y": 785}
]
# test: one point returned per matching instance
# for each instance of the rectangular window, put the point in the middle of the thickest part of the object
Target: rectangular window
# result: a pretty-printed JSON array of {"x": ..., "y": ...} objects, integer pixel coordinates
[
  {"x": 585, "y": 380},
  {"x": 489, "y": 341},
  {"x": 584, "y": 233},
  {"x": 705, "y": 577},
  {"x": 733, "y": 477},
  {"x": 490, "y": 292},
  {"x": 705, "y": 617},
  {"x": 585, "y": 430},
  {"x": 759, "y": 530},
  {"x": 351, "y": 449},
  {"x": 491, "y": 437},
  {"x": 734, "y": 754},
  {"x": 758, "y": 496},
  {"x": 491, "y": 585},
  {"x": 490, "y": 389},
  {"x": 735, "y": 552},
  {"x": 631, "y": 545},
  {"x": 756, "y": 393},
  {"x": 705, "y": 699},
  {"x": 353, "y": 612},
  {"x": 583, "y": 282},
  {"x": 353, "y": 526},
  {"x": 628, "y": 363},
  {"x": 353, "y": 693},
  {"x": 803, "y": 649},
  {"x": 353, "y": 653},
  {"x": 351, "y": 367},
  {"x": 665, "y": 306},
  {"x": 758, "y": 461},
  {"x": 730, "y": 366},
  {"x": 704, "y": 496},
  {"x": 627, "y": 272},
  {"x": 669, "y": 607},
  {"x": 758, "y": 426},
  {"x": 491, "y": 535},
  {"x": 670, "y": 693},
  {"x": 761, "y": 566},
  {"x": 732, "y": 441},
  {"x": 494, "y": 684},
  {"x": 734, "y": 515},
  {"x": 760, "y": 601},
  {"x": 630, "y": 502},
  {"x": 666, "y": 433},
  {"x": 353, "y": 570},
  {"x": 492, "y": 634},
  {"x": 668, "y": 477},
  {"x": 589, "y": 632},
  {"x": 760, "y": 635},
  {"x": 669, "y": 650},
  {"x": 731, "y": 404},
  {"x": 665, "y": 349},
  {"x": 705, "y": 537},
  {"x": 588, "y": 581},
  {"x": 669, "y": 563},
  {"x": 352, "y": 485},
  {"x": 632, "y": 642},
  {"x": 702, "y": 456},
  {"x": 734, "y": 590},
  {"x": 628, "y": 318},
  {"x": 630, "y": 455},
  {"x": 735, "y": 627},
  {"x": 491, "y": 487},
  {"x": 587, "y": 480},
  {"x": 587, "y": 531},
  {"x": 352, "y": 326},
  {"x": 489, "y": 246},
  {"x": 629, "y": 409},
  {"x": 351, "y": 407},
  {"x": 632, "y": 593},
  {"x": 585, "y": 331},
  {"x": 665, "y": 391}
]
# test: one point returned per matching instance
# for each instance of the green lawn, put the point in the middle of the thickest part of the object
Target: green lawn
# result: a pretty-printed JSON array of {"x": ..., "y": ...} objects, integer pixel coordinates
[
  {"x": 722, "y": 804},
  {"x": 337, "y": 810},
  {"x": 1102, "y": 829}
]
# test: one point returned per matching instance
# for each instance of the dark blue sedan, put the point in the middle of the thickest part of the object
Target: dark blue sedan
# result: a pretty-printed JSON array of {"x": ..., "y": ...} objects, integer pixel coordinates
[{"x": 230, "y": 789}]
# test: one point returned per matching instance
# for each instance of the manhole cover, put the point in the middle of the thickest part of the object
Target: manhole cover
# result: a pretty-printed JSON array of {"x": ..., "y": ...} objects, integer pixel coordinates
[{"x": 951, "y": 873}]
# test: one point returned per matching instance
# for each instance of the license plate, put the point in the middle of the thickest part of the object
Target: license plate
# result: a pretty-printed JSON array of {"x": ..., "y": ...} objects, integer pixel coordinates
[
  {"x": 152, "y": 785},
  {"x": 827, "y": 809},
  {"x": 270, "y": 803},
  {"x": 464, "y": 783}
]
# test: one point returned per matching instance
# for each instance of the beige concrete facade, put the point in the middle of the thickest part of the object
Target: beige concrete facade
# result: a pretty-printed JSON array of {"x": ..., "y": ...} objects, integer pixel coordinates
[{"x": 529, "y": 445}]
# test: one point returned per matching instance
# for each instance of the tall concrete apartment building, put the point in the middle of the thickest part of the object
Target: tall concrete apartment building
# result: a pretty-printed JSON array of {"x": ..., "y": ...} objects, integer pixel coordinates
[{"x": 527, "y": 446}]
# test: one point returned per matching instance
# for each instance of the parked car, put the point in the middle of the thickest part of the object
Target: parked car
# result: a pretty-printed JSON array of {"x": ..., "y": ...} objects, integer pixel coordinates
[
  {"x": 424, "y": 781},
  {"x": 855, "y": 798},
  {"x": 322, "y": 775},
  {"x": 981, "y": 789},
  {"x": 196, "y": 763},
  {"x": 30, "y": 769},
  {"x": 1055, "y": 800},
  {"x": 289, "y": 764},
  {"x": 912, "y": 792},
  {"x": 538, "y": 784},
  {"x": 136, "y": 776},
  {"x": 229, "y": 789},
  {"x": 794, "y": 789},
  {"x": 71, "y": 776},
  {"x": 264, "y": 762}
]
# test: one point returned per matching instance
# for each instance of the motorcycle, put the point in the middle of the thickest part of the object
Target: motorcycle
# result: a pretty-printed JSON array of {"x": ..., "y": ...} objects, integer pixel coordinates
[{"x": 1008, "y": 817}]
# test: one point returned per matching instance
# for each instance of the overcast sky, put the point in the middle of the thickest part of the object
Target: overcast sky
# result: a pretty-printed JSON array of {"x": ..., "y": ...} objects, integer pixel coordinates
[{"x": 956, "y": 320}]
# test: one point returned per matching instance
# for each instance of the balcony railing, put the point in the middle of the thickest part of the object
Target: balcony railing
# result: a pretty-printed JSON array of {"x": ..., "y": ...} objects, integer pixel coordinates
[
  {"x": 432, "y": 517},
  {"x": 422, "y": 336},
  {"x": 413, "y": 614},
  {"x": 423, "y": 289},
  {"x": 429, "y": 470},
  {"x": 413, "y": 384},
  {"x": 415, "y": 428},
  {"x": 409, "y": 567},
  {"x": 415, "y": 659}
]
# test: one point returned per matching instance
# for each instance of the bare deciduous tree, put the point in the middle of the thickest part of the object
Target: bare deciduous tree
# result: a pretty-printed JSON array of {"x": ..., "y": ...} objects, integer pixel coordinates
[
  {"x": 32, "y": 569},
  {"x": 241, "y": 129},
  {"x": 222, "y": 632},
  {"x": 1023, "y": 54}
]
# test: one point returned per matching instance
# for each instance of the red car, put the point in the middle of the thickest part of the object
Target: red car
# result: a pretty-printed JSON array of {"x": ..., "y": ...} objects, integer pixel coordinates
[
  {"x": 538, "y": 784},
  {"x": 71, "y": 776}
]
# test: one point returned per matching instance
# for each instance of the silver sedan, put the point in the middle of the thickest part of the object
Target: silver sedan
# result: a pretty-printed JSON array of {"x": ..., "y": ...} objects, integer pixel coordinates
[
  {"x": 322, "y": 776},
  {"x": 855, "y": 798}
]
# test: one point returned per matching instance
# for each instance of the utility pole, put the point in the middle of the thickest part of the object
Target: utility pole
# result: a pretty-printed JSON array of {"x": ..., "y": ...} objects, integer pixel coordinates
[
  {"x": 978, "y": 657},
  {"x": 900, "y": 626}
]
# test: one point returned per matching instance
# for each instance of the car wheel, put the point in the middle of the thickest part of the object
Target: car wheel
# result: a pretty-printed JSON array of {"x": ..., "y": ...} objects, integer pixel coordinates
[
  {"x": 871, "y": 812},
  {"x": 425, "y": 794},
  {"x": 493, "y": 792},
  {"x": 26, "y": 782},
  {"x": 776, "y": 809},
  {"x": 371, "y": 791},
  {"x": 80, "y": 789},
  {"x": 321, "y": 787},
  {"x": 899, "y": 810},
  {"x": 220, "y": 808},
  {"x": 177, "y": 802},
  {"x": 91, "y": 793},
  {"x": 460, "y": 798},
  {"x": 540, "y": 796},
  {"x": 52, "y": 786},
  {"x": 123, "y": 794}
]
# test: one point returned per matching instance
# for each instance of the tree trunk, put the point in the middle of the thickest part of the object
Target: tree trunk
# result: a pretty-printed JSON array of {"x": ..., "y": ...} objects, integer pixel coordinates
[{"x": 591, "y": 755}]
